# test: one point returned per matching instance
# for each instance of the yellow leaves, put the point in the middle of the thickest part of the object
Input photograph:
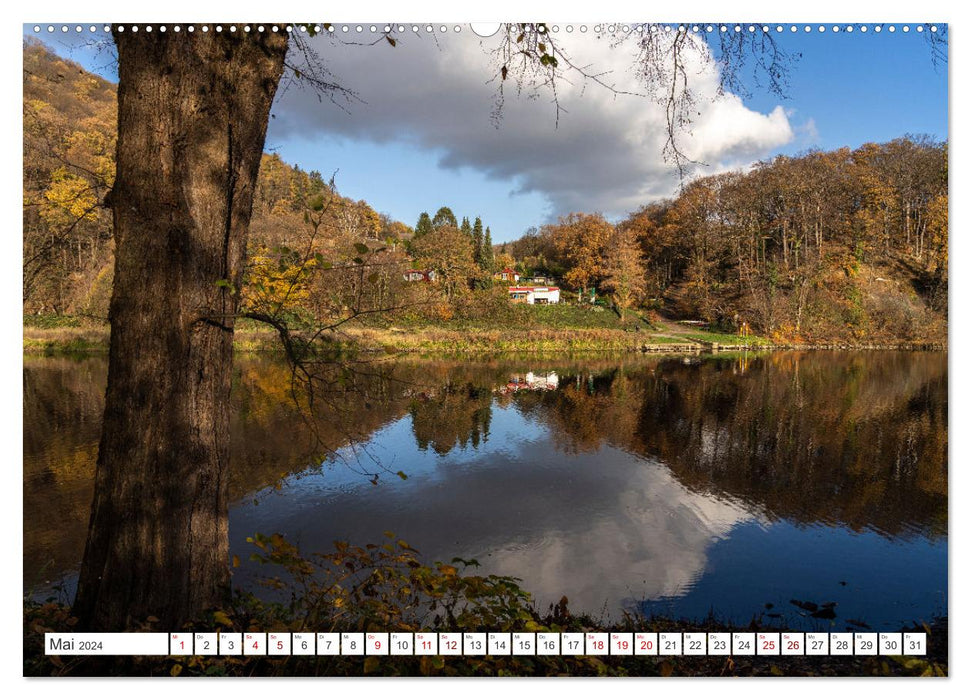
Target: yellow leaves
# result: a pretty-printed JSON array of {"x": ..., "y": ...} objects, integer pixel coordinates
[
  {"x": 176, "y": 670},
  {"x": 68, "y": 198},
  {"x": 275, "y": 284},
  {"x": 221, "y": 618}
]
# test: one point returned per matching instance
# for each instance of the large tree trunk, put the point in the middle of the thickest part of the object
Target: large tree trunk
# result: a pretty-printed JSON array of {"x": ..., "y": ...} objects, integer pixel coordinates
[{"x": 192, "y": 118}]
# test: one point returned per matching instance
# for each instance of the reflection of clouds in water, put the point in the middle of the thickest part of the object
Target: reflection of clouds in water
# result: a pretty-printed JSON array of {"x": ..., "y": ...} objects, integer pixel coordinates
[
  {"x": 653, "y": 545},
  {"x": 599, "y": 527}
]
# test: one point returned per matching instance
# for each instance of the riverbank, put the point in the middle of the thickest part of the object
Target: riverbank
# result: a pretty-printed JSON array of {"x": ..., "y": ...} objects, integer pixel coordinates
[{"x": 670, "y": 339}]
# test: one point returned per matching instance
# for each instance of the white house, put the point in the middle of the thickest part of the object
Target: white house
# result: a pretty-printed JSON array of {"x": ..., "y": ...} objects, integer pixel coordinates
[{"x": 535, "y": 295}]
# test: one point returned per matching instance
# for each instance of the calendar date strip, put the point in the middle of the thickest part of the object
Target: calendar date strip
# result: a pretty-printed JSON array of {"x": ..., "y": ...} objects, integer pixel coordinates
[{"x": 487, "y": 644}]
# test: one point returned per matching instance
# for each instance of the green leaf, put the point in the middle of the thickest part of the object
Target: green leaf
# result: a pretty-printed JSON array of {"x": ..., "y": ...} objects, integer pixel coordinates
[
  {"x": 361, "y": 248},
  {"x": 402, "y": 475}
]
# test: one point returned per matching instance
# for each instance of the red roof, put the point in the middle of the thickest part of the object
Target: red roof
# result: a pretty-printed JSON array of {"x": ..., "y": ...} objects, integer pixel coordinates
[{"x": 533, "y": 289}]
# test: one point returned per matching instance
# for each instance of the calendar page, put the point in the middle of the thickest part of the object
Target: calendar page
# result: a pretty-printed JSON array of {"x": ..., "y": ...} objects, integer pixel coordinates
[{"x": 433, "y": 348}]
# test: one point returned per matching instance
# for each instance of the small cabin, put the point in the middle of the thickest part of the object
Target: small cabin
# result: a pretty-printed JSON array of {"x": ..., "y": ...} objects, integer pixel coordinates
[
  {"x": 535, "y": 295},
  {"x": 507, "y": 275}
]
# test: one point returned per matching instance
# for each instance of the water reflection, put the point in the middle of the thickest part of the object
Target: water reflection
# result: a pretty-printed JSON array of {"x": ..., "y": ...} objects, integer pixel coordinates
[{"x": 724, "y": 483}]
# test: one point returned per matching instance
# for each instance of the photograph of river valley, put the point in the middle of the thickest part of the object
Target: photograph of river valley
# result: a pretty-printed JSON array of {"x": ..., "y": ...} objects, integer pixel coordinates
[{"x": 546, "y": 329}]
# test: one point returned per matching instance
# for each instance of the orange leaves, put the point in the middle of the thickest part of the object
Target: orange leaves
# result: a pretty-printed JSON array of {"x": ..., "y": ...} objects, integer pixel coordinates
[{"x": 582, "y": 241}]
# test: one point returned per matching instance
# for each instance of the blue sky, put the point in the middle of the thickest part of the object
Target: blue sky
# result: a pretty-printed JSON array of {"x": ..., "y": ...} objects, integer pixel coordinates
[
  {"x": 423, "y": 137},
  {"x": 860, "y": 88}
]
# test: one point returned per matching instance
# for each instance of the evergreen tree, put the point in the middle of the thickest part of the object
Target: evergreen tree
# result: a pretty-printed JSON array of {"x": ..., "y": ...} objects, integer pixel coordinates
[
  {"x": 488, "y": 256},
  {"x": 444, "y": 217},
  {"x": 477, "y": 241},
  {"x": 423, "y": 227},
  {"x": 466, "y": 227}
]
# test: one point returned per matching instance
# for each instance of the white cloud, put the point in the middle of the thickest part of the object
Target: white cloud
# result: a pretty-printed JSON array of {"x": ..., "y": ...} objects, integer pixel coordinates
[{"x": 605, "y": 154}]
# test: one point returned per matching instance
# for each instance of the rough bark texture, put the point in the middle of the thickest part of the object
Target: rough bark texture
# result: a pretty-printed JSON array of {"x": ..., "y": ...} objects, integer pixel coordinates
[{"x": 192, "y": 118}]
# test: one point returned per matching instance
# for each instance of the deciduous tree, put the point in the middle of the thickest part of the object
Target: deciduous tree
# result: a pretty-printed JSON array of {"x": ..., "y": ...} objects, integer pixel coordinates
[
  {"x": 626, "y": 271},
  {"x": 192, "y": 118}
]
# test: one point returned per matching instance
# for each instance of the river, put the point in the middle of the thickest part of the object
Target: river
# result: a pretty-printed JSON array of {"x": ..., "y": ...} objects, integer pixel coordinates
[{"x": 730, "y": 485}]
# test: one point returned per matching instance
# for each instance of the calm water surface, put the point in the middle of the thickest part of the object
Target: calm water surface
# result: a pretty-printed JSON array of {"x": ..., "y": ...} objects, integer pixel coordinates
[{"x": 730, "y": 485}]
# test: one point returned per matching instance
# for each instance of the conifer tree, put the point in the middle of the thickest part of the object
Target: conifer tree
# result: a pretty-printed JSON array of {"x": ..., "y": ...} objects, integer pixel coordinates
[
  {"x": 423, "y": 227},
  {"x": 487, "y": 258},
  {"x": 477, "y": 241}
]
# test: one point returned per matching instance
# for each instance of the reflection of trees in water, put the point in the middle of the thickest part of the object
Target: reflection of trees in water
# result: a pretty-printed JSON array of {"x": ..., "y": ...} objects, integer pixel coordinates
[
  {"x": 590, "y": 408},
  {"x": 858, "y": 438},
  {"x": 63, "y": 402},
  {"x": 455, "y": 416},
  {"x": 854, "y": 438}
]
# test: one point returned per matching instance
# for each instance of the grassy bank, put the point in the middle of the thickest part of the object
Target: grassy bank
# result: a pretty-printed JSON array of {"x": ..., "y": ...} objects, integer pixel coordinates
[{"x": 545, "y": 329}]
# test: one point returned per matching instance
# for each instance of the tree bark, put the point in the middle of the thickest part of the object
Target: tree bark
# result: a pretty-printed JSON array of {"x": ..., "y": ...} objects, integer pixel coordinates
[{"x": 192, "y": 118}]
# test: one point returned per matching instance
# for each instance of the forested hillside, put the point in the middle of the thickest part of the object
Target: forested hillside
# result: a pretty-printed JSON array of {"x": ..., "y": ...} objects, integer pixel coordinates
[
  {"x": 70, "y": 120},
  {"x": 843, "y": 245}
]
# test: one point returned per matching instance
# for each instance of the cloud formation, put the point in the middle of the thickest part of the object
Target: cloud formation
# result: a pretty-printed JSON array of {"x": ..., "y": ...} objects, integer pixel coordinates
[{"x": 604, "y": 153}]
